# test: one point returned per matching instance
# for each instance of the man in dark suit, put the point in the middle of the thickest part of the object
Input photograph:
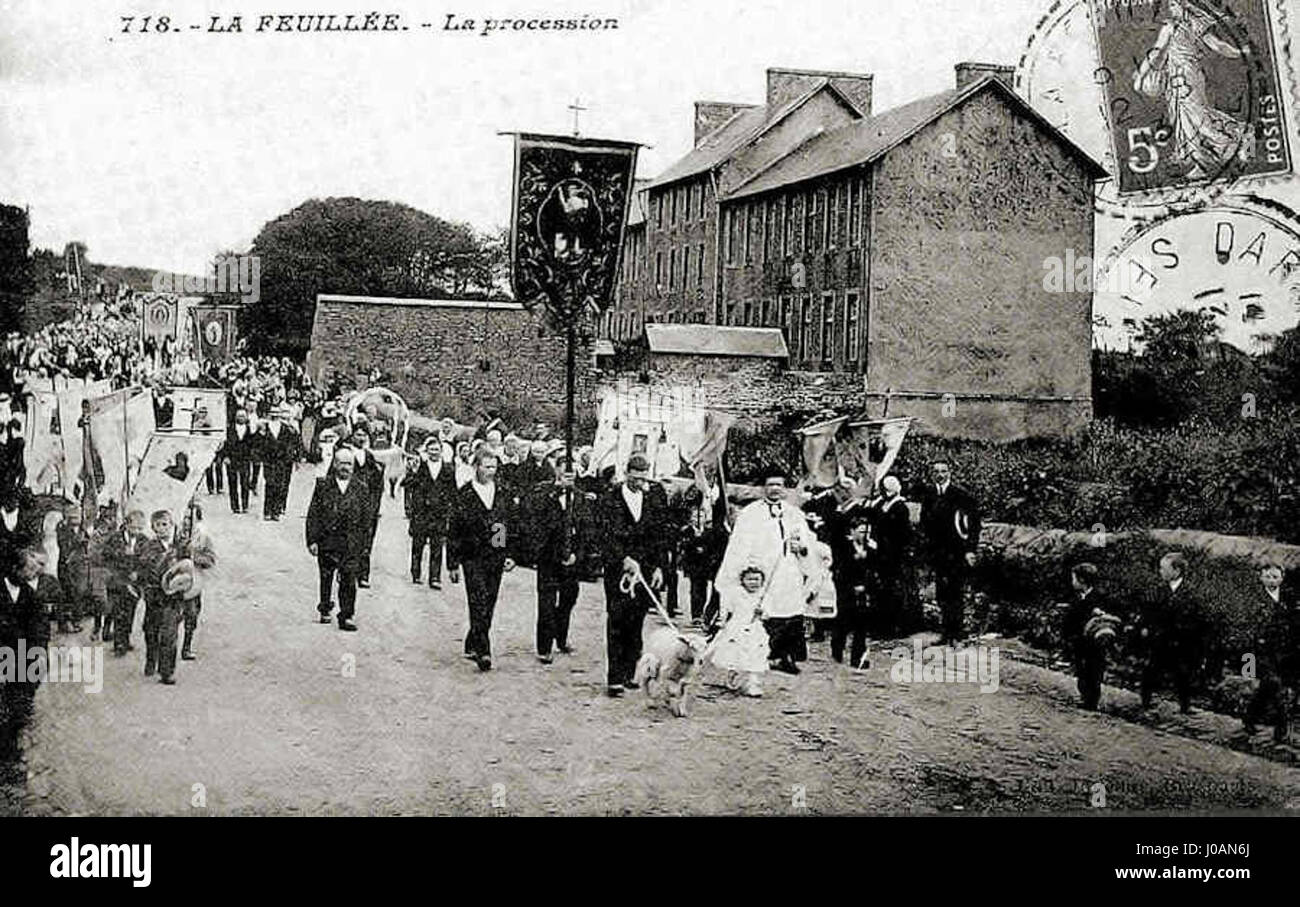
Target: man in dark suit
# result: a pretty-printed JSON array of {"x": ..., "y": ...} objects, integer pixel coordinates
[
  {"x": 950, "y": 517},
  {"x": 557, "y": 532},
  {"x": 239, "y": 472},
  {"x": 632, "y": 525},
  {"x": 430, "y": 492},
  {"x": 22, "y": 621},
  {"x": 371, "y": 474},
  {"x": 1171, "y": 631},
  {"x": 279, "y": 446},
  {"x": 338, "y": 519},
  {"x": 482, "y": 539},
  {"x": 19, "y": 524},
  {"x": 891, "y": 531},
  {"x": 1277, "y": 649}
]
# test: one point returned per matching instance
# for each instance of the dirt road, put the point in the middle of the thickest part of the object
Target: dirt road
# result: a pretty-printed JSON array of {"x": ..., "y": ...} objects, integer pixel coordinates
[{"x": 282, "y": 715}]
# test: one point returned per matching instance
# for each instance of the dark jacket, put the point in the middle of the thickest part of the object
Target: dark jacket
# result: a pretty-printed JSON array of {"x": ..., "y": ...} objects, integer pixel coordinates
[
  {"x": 155, "y": 558},
  {"x": 23, "y": 619},
  {"x": 1078, "y": 612},
  {"x": 1277, "y": 641},
  {"x": 620, "y": 536},
  {"x": 241, "y": 450},
  {"x": 1175, "y": 623},
  {"x": 428, "y": 500},
  {"x": 951, "y": 522},
  {"x": 891, "y": 529},
  {"x": 338, "y": 522},
  {"x": 371, "y": 475},
  {"x": 120, "y": 564},
  {"x": 479, "y": 535},
  {"x": 549, "y": 540}
]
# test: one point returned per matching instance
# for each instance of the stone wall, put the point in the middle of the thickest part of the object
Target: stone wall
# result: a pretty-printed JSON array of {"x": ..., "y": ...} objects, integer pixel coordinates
[
  {"x": 462, "y": 358},
  {"x": 957, "y": 297}
]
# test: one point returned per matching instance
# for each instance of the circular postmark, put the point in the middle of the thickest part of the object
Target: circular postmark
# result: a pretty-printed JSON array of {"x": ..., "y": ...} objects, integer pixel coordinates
[
  {"x": 1237, "y": 259},
  {"x": 1177, "y": 99}
]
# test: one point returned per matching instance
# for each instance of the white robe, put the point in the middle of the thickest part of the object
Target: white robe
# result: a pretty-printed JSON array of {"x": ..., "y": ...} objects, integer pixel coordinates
[{"x": 757, "y": 539}]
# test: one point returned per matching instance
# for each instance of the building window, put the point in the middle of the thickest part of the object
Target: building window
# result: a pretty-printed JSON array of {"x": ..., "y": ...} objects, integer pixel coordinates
[
  {"x": 699, "y": 265},
  {"x": 805, "y": 326},
  {"x": 731, "y": 313},
  {"x": 733, "y": 235},
  {"x": 659, "y": 212},
  {"x": 855, "y": 213},
  {"x": 794, "y": 226},
  {"x": 785, "y": 314},
  {"x": 817, "y": 220},
  {"x": 828, "y": 326},
  {"x": 778, "y": 229},
  {"x": 672, "y": 268},
  {"x": 659, "y": 270},
  {"x": 851, "y": 313},
  {"x": 690, "y": 202},
  {"x": 754, "y": 234},
  {"x": 702, "y": 191},
  {"x": 833, "y": 231},
  {"x": 765, "y": 317}
]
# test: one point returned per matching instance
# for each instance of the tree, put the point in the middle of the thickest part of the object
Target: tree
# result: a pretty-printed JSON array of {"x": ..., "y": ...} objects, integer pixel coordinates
[{"x": 359, "y": 247}]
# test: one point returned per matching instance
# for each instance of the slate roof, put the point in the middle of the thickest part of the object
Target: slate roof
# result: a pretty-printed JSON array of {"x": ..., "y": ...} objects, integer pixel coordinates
[
  {"x": 716, "y": 340},
  {"x": 870, "y": 139}
]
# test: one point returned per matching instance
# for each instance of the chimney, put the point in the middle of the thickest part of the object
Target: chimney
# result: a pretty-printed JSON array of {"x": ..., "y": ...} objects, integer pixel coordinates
[
  {"x": 970, "y": 73},
  {"x": 784, "y": 85},
  {"x": 709, "y": 115}
]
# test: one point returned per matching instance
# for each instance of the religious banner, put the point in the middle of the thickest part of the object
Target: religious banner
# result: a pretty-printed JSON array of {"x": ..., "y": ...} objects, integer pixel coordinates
[
  {"x": 199, "y": 409},
  {"x": 43, "y": 451},
  {"x": 161, "y": 318},
  {"x": 171, "y": 470},
  {"x": 120, "y": 427},
  {"x": 571, "y": 198},
  {"x": 868, "y": 449},
  {"x": 70, "y": 401},
  {"x": 820, "y": 459},
  {"x": 214, "y": 333}
]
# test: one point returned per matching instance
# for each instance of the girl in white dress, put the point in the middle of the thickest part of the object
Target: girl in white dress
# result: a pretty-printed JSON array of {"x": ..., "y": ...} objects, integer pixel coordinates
[{"x": 742, "y": 644}]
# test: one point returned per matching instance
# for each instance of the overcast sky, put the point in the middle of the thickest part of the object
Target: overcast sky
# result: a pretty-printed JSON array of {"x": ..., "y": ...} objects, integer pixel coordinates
[{"x": 161, "y": 150}]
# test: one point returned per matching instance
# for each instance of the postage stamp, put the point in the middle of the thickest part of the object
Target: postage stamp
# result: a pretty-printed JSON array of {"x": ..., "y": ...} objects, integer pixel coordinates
[
  {"x": 1192, "y": 91},
  {"x": 1177, "y": 102}
]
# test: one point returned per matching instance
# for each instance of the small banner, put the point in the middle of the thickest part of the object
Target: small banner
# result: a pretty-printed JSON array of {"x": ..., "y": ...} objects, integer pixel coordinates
[
  {"x": 214, "y": 333},
  {"x": 199, "y": 410},
  {"x": 161, "y": 317},
  {"x": 571, "y": 197},
  {"x": 172, "y": 468},
  {"x": 820, "y": 458},
  {"x": 835, "y": 450}
]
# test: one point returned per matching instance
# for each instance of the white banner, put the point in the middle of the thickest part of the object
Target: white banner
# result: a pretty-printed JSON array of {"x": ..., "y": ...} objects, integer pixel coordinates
[{"x": 172, "y": 469}]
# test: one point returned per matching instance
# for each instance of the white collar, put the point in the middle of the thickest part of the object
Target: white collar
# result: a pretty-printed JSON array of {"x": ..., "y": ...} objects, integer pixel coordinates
[
  {"x": 1174, "y": 584},
  {"x": 14, "y": 590},
  {"x": 486, "y": 493}
]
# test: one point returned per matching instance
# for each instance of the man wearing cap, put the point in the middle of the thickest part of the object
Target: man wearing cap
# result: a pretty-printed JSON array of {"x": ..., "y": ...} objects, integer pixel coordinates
[
  {"x": 430, "y": 493},
  {"x": 481, "y": 538},
  {"x": 278, "y": 446},
  {"x": 632, "y": 525},
  {"x": 775, "y": 536},
  {"x": 337, "y": 522}
]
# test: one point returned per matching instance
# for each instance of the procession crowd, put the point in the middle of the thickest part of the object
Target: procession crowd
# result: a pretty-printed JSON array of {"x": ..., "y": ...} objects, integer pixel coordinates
[{"x": 763, "y": 579}]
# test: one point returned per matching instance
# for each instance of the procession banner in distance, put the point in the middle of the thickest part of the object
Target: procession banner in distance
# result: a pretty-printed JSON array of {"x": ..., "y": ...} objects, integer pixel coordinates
[
  {"x": 199, "y": 409},
  {"x": 161, "y": 317},
  {"x": 571, "y": 197},
  {"x": 214, "y": 333},
  {"x": 43, "y": 452},
  {"x": 173, "y": 466}
]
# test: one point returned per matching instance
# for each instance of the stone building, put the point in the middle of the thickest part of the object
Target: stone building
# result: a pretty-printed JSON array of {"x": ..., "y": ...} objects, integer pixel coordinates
[
  {"x": 900, "y": 253},
  {"x": 463, "y": 358}
]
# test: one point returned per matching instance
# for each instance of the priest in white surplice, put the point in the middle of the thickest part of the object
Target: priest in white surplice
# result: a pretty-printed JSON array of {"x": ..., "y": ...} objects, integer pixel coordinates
[{"x": 773, "y": 535}]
